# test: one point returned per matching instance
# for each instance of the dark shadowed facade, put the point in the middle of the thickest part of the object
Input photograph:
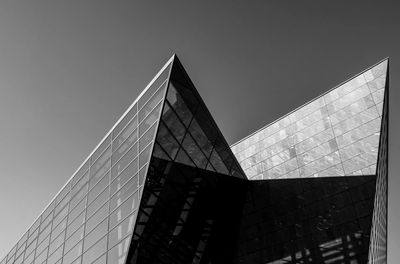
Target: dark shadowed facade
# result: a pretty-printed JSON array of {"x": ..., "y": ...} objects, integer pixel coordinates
[{"x": 164, "y": 186}]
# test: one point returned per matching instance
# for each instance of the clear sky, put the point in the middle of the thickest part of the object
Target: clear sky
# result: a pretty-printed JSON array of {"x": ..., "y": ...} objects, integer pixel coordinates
[{"x": 69, "y": 69}]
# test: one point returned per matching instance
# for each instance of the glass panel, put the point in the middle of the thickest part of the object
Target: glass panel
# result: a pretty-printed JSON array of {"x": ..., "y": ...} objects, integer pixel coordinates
[
  {"x": 31, "y": 247},
  {"x": 101, "y": 166},
  {"x": 147, "y": 137},
  {"x": 183, "y": 158},
  {"x": 124, "y": 161},
  {"x": 127, "y": 135},
  {"x": 77, "y": 198},
  {"x": 172, "y": 122},
  {"x": 124, "y": 210},
  {"x": 101, "y": 260},
  {"x": 142, "y": 175},
  {"x": 42, "y": 257},
  {"x": 124, "y": 177},
  {"x": 118, "y": 253},
  {"x": 47, "y": 211},
  {"x": 30, "y": 239},
  {"x": 150, "y": 119},
  {"x": 124, "y": 121},
  {"x": 76, "y": 224},
  {"x": 76, "y": 211},
  {"x": 151, "y": 104},
  {"x": 63, "y": 193},
  {"x": 194, "y": 152},
  {"x": 154, "y": 86},
  {"x": 61, "y": 205},
  {"x": 58, "y": 229},
  {"x": 124, "y": 147},
  {"x": 101, "y": 148},
  {"x": 200, "y": 137},
  {"x": 44, "y": 234},
  {"x": 121, "y": 231},
  {"x": 57, "y": 242},
  {"x": 97, "y": 218},
  {"x": 21, "y": 249},
  {"x": 80, "y": 184},
  {"x": 120, "y": 196},
  {"x": 46, "y": 222},
  {"x": 98, "y": 188},
  {"x": 31, "y": 230},
  {"x": 167, "y": 141},
  {"x": 73, "y": 254},
  {"x": 83, "y": 170},
  {"x": 176, "y": 101},
  {"x": 29, "y": 258},
  {"x": 100, "y": 200},
  {"x": 217, "y": 163},
  {"x": 158, "y": 152},
  {"x": 55, "y": 256},
  {"x": 144, "y": 156},
  {"x": 43, "y": 245},
  {"x": 60, "y": 216},
  {"x": 94, "y": 252},
  {"x": 98, "y": 232},
  {"x": 74, "y": 239}
]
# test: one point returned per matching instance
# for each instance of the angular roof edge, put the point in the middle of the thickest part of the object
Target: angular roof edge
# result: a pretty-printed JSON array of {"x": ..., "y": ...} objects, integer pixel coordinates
[
  {"x": 170, "y": 60},
  {"x": 312, "y": 100}
]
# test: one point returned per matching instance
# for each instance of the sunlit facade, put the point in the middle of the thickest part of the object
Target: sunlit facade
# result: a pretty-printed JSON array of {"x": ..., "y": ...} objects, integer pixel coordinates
[{"x": 163, "y": 186}]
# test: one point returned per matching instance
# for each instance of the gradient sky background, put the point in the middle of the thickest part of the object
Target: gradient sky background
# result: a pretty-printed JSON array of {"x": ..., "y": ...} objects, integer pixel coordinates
[{"x": 69, "y": 69}]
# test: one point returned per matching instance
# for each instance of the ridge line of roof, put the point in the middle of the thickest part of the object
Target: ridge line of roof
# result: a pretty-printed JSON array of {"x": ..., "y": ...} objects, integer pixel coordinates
[{"x": 308, "y": 102}]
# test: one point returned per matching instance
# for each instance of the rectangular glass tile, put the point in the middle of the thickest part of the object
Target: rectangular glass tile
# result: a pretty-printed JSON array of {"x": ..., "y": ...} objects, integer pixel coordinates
[
  {"x": 127, "y": 118},
  {"x": 118, "y": 253},
  {"x": 74, "y": 239},
  {"x": 98, "y": 232},
  {"x": 131, "y": 204},
  {"x": 96, "y": 218},
  {"x": 159, "y": 82},
  {"x": 98, "y": 188},
  {"x": 98, "y": 202},
  {"x": 94, "y": 252},
  {"x": 122, "y": 230},
  {"x": 73, "y": 254},
  {"x": 130, "y": 156}
]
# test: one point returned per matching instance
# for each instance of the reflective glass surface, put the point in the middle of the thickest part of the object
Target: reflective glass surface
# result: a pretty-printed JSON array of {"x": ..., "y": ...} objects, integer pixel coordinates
[{"x": 335, "y": 134}]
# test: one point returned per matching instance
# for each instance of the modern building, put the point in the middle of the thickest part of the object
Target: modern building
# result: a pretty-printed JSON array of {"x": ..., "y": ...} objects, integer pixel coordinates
[{"x": 163, "y": 186}]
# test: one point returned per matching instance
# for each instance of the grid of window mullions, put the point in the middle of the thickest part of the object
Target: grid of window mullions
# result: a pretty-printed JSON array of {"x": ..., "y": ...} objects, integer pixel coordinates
[
  {"x": 55, "y": 209},
  {"x": 183, "y": 138}
]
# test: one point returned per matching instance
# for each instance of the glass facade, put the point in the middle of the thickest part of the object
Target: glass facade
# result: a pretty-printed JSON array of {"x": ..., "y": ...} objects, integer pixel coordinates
[
  {"x": 164, "y": 186},
  {"x": 335, "y": 134}
]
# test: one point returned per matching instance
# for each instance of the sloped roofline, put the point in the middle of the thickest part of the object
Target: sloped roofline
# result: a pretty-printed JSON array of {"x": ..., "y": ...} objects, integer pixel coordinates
[
  {"x": 310, "y": 101},
  {"x": 169, "y": 62}
]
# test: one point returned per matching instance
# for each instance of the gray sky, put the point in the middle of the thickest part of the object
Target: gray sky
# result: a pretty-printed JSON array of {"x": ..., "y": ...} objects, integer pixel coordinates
[{"x": 69, "y": 69}]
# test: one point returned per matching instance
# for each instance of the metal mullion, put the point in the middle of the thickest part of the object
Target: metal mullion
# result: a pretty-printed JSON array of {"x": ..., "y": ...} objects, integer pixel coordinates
[
  {"x": 77, "y": 181},
  {"x": 137, "y": 141},
  {"x": 123, "y": 219},
  {"x": 91, "y": 163},
  {"x": 137, "y": 190},
  {"x": 102, "y": 190},
  {"x": 97, "y": 208},
  {"x": 144, "y": 104},
  {"x": 111, "y": 196}
]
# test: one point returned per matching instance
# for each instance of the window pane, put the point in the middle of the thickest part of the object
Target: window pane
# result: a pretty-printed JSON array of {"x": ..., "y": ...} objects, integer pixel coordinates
[
  {"x": 60, "y": 216},
  {"x": 73, "y": 254},
  {"x": 194, "y": 152},
  {"x": 101, "y": 260},
  {"x": 179, "y": 105},
  {"x": 118, "y": 253},
  {"x": 147, "y": 137},
  {"x": 61, "y": 205},
  {"x": 124, "y": 210},
  {"x": 31, "y": 247},
  {"x": 125, "y": 228},
  {"x": 83, "y": 170},
  {"x": 150, "y": 119},
  {"x": 94, "y": 252},
  {"x": 56, "y": 243},
  {"x": 31, "y": 230},
  {"x": 76, "y": 211},
  {"x": 124, "y": 177},
  {"x": 76, "y": 224},
  {"x": 100, "y": 200},
  {"x": 154, "y": 86},
  {"x": 97, "y": 218},
  {"x": 124, "y": 161},
  {"x": 44, "y": 234},
  {"x": 55, "y": 256},
  {"x": 132, "y": 112},
  {"x": 46, "y": 222},
  {"x": 73, "y": 239},
  {"x": 172, "y": 121},
  {"x": 80, "y": 184},
  {"x": 41, "y": 257},
  {"x": 58, "y": 229},
  {"x": 30, "y": 239},
  {"x": 101, "y": 166},
  {"x": 48, "y": 211},
  {"x": 79, "y": 196},
  {"x": 98, "y": 232},
  {"x": 101, "y": 148},
  {"x": 124, "y": 147},
  {"x": 63, "y": 193},
  {"x": 43, "y": 245},
  {"x": 144, "y": 156},
  {"x": 129, "y": 134},
  {"x": 98, "y": 188},
  {"x": 200, "y": 137},
  {"x": 167, "y": 141},
  {"x": 120, "y": 196}
]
